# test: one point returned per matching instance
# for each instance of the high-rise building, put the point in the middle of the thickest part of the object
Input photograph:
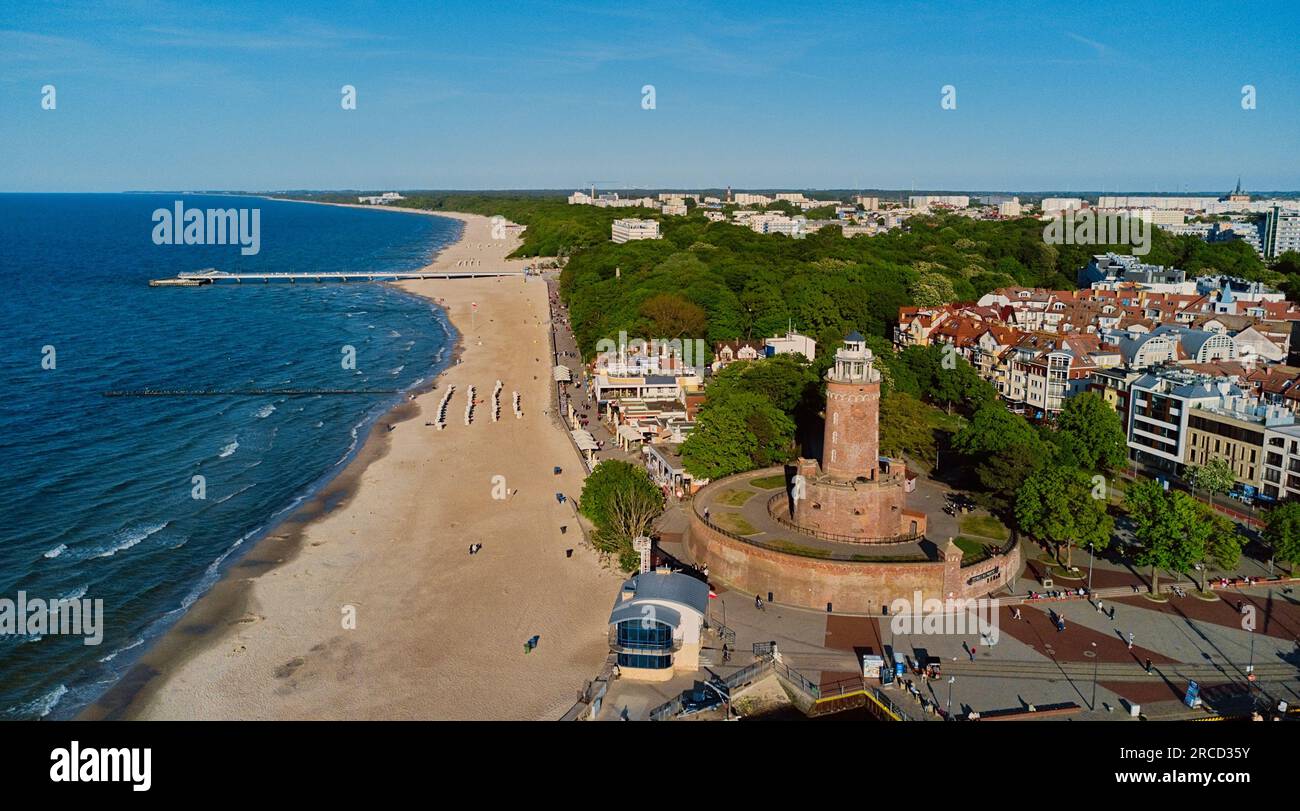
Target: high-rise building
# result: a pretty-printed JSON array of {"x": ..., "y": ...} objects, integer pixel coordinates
[{"x": 1281, "y": 232}]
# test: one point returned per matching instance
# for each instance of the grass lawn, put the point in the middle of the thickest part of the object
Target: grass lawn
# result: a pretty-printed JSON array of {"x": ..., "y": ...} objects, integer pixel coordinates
[
  {"x": 768, "y": 482},
  {"x": 734, "y": 498},
  {"x": 984, "y": 526},
  {"x": 972, "y": 549},
  {"x": 733, "y": 523},
  {"x": 791, "y": 548}
]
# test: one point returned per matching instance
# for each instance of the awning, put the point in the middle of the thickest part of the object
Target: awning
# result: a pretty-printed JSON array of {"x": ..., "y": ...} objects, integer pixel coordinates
[
  {"x": 630, "y": 434},
  {"x": 584, "y": 440},
  {"x": 562, "y": 374}
]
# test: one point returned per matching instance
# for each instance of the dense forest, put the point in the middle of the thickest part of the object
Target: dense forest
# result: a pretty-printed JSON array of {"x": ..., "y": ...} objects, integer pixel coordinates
[{"x": 720, "y": 281}]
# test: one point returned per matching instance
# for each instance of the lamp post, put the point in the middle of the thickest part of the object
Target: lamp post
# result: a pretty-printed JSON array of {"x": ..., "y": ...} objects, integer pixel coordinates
[{"x": 951, "y": 679}]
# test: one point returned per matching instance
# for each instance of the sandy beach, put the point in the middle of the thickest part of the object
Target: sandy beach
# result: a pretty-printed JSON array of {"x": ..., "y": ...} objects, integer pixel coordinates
[{"x": 439, "y": 633}]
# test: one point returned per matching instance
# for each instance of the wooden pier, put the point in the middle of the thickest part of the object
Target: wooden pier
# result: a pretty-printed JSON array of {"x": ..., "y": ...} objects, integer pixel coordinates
[{"x": 205, "y": 277}]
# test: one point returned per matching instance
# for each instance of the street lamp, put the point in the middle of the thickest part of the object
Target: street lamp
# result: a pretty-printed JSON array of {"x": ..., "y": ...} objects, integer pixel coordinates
[
  {"x": 951, "y": 679},
  {"x": 1090, "y": 557}
]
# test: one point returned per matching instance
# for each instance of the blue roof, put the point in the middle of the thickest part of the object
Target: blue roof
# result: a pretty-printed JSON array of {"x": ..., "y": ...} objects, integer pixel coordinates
[{"x": 854, "y": 336}]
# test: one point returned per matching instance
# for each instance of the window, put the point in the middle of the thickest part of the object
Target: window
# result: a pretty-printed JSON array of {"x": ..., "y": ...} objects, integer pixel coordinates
[
  {"x": 644, "y": 660},
  {"x": 645, "y": 634}
]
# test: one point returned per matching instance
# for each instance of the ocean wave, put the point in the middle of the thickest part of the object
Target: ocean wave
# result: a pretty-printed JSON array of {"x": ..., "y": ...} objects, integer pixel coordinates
[
  {"x": 229, "y": 449},
  {"x": 265, "y": 411},
  {"x": 397, "y": 371},
  {"x": 77, "y": 593},
  {"x": 122, "y": 649},
  {"x": 243, "y": 489},
  {"x": 56, "y": 551},
  {"x": 129, "y": 538},
  {"x": 39, "y": 707}
]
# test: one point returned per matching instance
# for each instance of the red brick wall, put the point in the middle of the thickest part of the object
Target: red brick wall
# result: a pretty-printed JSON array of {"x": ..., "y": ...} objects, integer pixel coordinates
[
  {"x": 851, "y": 445},
  {"x": 850, "y": 586}
]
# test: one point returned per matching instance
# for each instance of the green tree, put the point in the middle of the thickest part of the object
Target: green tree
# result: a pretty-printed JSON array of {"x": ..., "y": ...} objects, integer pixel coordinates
[
  {"x": 737, "y": 432},
  {"x": 1169, "y": 528},
  {"x": 1223, "y": 543},
  {"x": 619, "y": 498},
  {"x": 1056, "y": 505},
  {"x": 1215, "y": 476},
  {"x": 1282, "y": 532},
  {"x": 905, "y": 427},
  {"x": 672, "y": 316},
  {"x": 932, "y": 290},
  {"x": 1090, "y": 434},
  {"x": 1004, "y": 450}
]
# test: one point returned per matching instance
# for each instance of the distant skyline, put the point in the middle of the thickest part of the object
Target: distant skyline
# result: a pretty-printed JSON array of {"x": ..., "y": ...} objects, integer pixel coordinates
[{"x": 1107, "y": 97}]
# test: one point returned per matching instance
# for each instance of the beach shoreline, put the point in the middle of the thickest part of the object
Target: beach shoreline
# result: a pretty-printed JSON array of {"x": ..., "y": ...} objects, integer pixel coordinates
[{"x": 434, "y": 632}]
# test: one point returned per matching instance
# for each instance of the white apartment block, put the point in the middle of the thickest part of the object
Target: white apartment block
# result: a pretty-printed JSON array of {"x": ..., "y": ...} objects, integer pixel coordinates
[
  {"x": 1281, "y": 232},
  {"x": 627, "y": 230},
  {"x": 792, "y": 343},
  {"x": 1051, "y": 204},
  {"x": 383, "y": 199},
  {"x": 752, "y": 200},
  {"x": 927, "y": 200}
]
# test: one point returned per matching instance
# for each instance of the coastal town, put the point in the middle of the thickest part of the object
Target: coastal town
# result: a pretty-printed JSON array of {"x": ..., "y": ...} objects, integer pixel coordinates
[{"x": 1196, "y": 372}]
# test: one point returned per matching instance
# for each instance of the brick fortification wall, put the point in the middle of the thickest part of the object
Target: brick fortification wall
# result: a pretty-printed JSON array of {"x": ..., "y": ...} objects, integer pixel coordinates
[{"x": 854, "y": 587}]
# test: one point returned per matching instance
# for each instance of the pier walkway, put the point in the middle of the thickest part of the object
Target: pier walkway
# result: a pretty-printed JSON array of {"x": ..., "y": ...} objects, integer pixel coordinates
[{"x": 205, "y": 277}]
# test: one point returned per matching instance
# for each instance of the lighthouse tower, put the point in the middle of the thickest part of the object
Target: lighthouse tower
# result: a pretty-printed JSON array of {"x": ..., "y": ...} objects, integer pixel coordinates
[
  {"x": 851, "y": 444},
  {"x": 853, "y": 496}
]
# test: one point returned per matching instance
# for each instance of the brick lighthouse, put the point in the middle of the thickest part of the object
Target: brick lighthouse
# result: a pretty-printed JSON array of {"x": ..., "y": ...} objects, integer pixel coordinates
[
  {"x": 851, "y": 443},
  {"x": 854, "y": 495}
]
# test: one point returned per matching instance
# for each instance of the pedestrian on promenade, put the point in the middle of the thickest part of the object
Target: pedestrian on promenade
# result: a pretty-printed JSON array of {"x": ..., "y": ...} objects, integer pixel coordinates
[
  {"x": 1100, "y": 610},
  {"x": 758, "y": 602},
  {"x": 973, "y": 648},
  {"x": 1130, "y": 640}
]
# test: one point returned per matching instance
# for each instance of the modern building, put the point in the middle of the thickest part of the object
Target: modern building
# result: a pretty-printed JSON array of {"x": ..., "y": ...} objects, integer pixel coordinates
[
  {"x": 1281, "y": 477},
  {"x": 1111, "y": 269},
  {"x": 943, "y": 200},
  {"x": 792, "y": 343},
  {"x": 656, "y": 625},
  {"x": 627, "y": 230},
  {"x": 1281, "y": 232},
  {"x": 1180, "y": 418},
  {"x": 382, "y": 199},
  {"x": 1051, "y": 204}
]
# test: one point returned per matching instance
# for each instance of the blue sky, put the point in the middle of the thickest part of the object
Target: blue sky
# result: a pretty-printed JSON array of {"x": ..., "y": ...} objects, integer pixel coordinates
[{"x": 1096, "y": 96}]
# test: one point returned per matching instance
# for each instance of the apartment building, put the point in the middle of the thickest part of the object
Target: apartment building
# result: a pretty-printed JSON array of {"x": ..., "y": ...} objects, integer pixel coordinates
[
  {"x": 1281, "y": 232},
  {"x": 627, "y": 230}
]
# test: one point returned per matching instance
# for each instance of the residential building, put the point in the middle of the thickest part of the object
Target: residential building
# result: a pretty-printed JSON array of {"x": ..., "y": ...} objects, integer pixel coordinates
[
  {"x": 941, "y": 200},
  {"x": 1281, "y": 232},
  {"x": 792, "y": 343},
  {"x": 627, "y": 230}
]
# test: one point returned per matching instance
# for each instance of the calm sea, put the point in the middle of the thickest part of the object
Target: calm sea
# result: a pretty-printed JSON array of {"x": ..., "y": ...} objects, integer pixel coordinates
[{"x": 97, "y": 494}]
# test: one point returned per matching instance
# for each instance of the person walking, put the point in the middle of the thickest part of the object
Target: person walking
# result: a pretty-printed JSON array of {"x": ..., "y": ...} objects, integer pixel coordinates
[
  {"x": 758, "y": 602},
  {"x": 1130, "y": 640}
]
